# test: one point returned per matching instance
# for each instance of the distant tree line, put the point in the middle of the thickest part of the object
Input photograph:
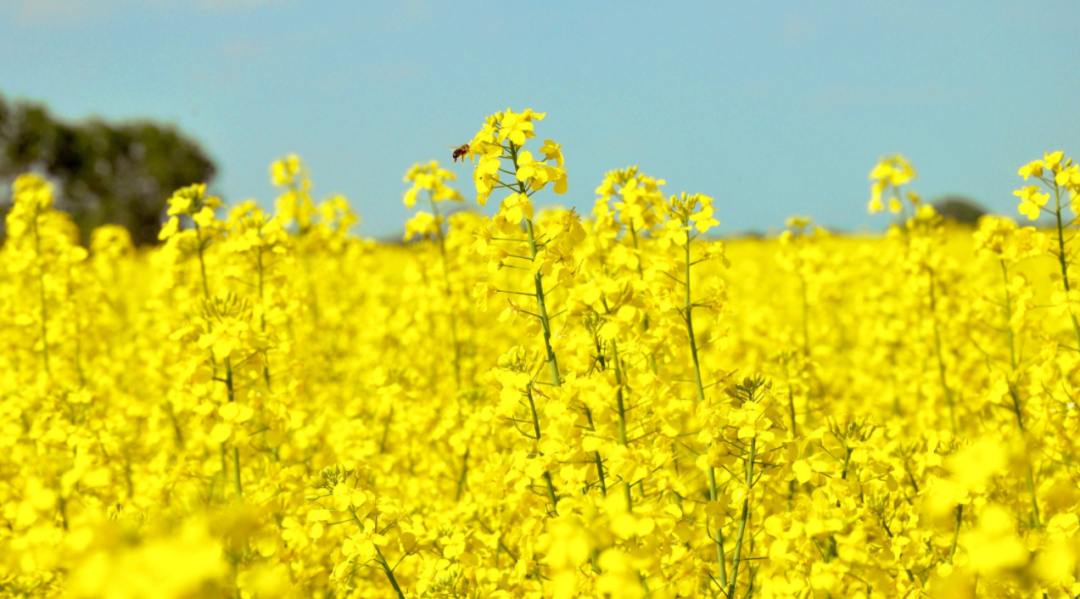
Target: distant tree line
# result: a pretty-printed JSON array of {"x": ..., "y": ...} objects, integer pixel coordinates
[
  {"x": 121, "y": 173},
  {"x": 961, "y": 209}
]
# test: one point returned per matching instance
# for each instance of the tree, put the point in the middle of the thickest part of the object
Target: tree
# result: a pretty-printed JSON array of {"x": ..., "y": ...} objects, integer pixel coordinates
[
  {"x": 961, "y": 209},
  {"x": 120, "y": 173}
]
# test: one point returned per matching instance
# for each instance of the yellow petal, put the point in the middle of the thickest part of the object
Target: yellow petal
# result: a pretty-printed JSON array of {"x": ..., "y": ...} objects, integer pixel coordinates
[{"x": 220, "y": 433}]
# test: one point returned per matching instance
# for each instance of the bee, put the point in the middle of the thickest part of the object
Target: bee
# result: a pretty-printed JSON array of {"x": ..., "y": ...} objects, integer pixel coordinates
[{"x": 460, "y": 152}]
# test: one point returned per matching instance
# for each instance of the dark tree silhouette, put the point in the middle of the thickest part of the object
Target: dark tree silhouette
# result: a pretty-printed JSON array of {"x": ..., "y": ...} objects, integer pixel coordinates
[
  {"x": 120, "y": 173},
  {"x": 961, "y": 209}
]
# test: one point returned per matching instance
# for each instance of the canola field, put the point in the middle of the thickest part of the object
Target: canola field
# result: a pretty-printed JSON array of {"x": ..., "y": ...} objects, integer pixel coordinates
[{"x": 542, "y": 403}]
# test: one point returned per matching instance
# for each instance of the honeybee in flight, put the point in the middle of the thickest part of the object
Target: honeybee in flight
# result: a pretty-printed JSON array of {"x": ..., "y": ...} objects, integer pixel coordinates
[{"x": 460, "y": 152}]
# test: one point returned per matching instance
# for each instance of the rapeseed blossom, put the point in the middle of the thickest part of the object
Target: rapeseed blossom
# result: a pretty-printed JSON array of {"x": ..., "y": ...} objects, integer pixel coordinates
[{"x": 537, "y": 402}]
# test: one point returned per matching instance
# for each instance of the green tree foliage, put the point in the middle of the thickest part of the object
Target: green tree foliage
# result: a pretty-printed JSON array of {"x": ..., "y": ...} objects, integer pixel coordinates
[
  {"x": 961, "y": 209},
  {"x": 121, "y": 173}
]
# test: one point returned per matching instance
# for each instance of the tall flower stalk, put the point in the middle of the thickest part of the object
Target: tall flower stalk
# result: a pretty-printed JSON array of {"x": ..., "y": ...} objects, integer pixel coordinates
[
  {"x": 431, "y": 178},
  {"x": 193, "y": 202},
  {"x": 689, "y": 216},
  {"x": 543, "y": 249},
  {"x": 1061, "y": 177}
]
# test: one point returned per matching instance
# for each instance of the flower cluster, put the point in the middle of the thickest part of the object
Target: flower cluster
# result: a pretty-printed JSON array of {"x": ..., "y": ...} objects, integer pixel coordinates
[{"x": 537, "y": 403}]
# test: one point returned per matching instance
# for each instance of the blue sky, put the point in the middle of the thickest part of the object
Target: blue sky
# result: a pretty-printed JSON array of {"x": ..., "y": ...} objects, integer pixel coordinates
[{"x": 772, "y": 108}]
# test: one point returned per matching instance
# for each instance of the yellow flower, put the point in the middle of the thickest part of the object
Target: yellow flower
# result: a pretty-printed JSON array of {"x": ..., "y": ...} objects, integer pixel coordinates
[
  {"x": 552, "y": 151},
  {"x": 517, "y": 207},
  {"x": 889, "y": 173},
  {"x": 518, "y": 127},
  {"x": 1031, "y": 169},
  {"x": 423, "y": 224},
  {"x": 994, "y": 545},
  {"x": 169, "y": 228},
  {"x": 1031, "y": 201},
  {"x": 284, "y": 171},
  {"x": 32, "y": 192},
  {"x": 798, "y": 222},
  {"x": 431, "y": 178}
]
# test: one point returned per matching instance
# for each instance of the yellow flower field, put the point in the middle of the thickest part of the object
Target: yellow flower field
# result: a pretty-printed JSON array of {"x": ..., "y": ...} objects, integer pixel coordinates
[{"x": 542, "y": 403}]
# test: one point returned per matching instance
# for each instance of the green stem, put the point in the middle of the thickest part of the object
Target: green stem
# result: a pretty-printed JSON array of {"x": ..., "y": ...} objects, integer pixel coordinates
[
  {"x": 547, "y": 475},
  {"x": 937, "y": 351},
  {"x": 382, "y": 560},
  {"x": 956, "y": 531},
  {"x": 262, "y": 317},
  {"x": 541, "y": 303},
  {"x": 1015, "y": 396},
  {"x": 622, "y": 415},
  {"x": 235, "y": 450},
  {"x": 1008, "y": 321},
  {"x": 234, "y": 566},
  {"x": 386, "y": 430},
  {"x": 791, "y": 410},
  {"x": 202, "y": 262},
  {"x": 464, "y": 472},
  {"x": 206, "y": 296},
  {"x": 596, "y": 454},
  {"x": 600, "y": 472},
  {"x": 688, "y": 311},
  {"x": 224, "y": 472},
  {"x": 718, "y": 534},
  {"x": 175, "y": 423},
  {"x": 1061, "y": 258},
  {"x": 545, "y": 323},
  {"x": 389, "y": 573},
  {"x": 736, "y": 558},
  {"x": 641, "y": 275},
  {"x": 552, "y": 497},
  {"x": 1030, "y": 476},
  {"x": 449, "y": 292}
]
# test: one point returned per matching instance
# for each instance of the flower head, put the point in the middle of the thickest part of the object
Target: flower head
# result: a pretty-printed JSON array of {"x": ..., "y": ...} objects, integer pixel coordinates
[
  {"x": 502, "y": 137},
  {"x": 1031, "y": 201},
  {"x": 889, "y": 173},
  {"x": 431, "y": 178}
]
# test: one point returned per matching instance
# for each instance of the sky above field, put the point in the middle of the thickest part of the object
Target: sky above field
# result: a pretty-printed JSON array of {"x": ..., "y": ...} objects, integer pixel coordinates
[{"x": 772, "y": 108}]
